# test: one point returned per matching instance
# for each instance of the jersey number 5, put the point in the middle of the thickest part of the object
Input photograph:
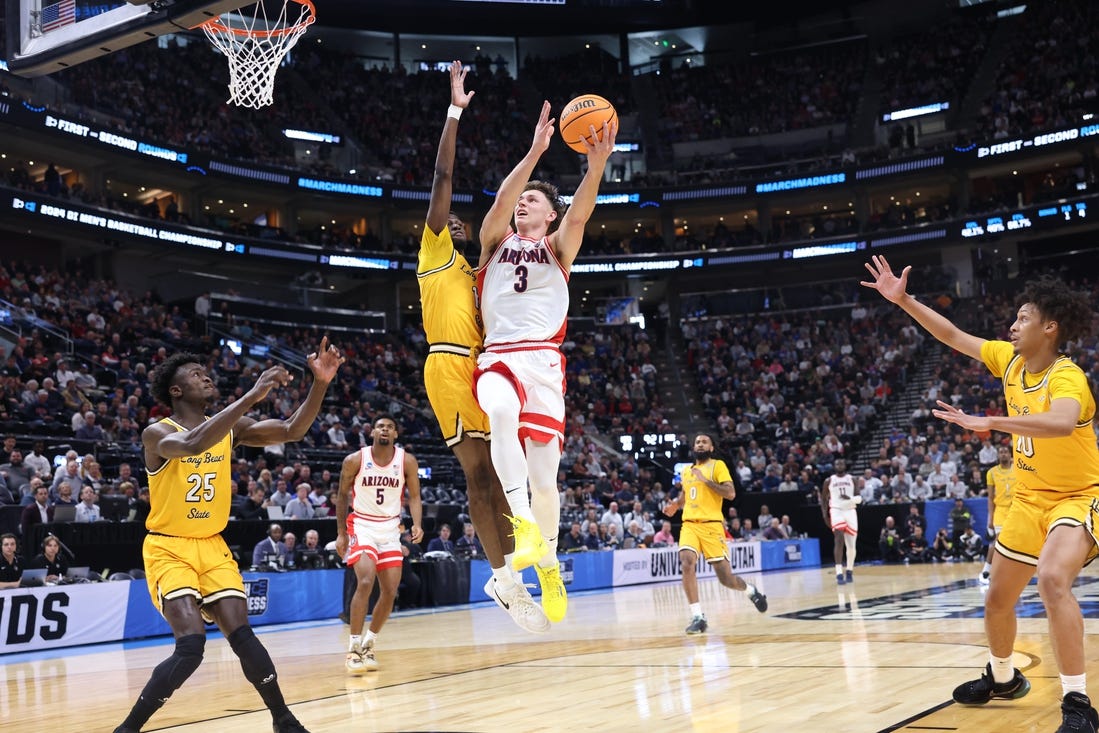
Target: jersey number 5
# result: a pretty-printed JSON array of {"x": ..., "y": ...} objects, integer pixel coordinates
[{"x": 202, "y": 487}]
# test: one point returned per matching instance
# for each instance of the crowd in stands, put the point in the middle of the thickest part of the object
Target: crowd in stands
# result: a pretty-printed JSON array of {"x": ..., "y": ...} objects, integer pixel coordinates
[
  {"x": 174, "y": 92},
  {"x": 932, "y": 65},
  {"x": 778, "y": 92},
  {"x": 1050, "y": 76}
]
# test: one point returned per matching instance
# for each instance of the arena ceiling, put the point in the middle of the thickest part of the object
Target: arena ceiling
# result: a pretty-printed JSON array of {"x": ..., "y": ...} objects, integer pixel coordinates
[{"x": 547, "y": 17}]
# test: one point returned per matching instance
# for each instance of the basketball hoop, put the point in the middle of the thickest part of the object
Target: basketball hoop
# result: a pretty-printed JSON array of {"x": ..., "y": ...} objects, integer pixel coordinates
[{"x": 255, "y": 46}]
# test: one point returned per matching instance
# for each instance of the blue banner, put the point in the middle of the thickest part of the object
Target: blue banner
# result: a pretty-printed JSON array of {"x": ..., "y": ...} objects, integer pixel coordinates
[{"x": 272, "y": 598}]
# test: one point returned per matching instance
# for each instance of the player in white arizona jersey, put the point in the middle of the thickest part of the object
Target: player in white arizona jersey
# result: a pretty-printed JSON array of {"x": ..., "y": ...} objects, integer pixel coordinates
[
  {"x": 372, "y": 482},
  {"x": 838, "y": 500},
  {"x": 528, "y": 244}
]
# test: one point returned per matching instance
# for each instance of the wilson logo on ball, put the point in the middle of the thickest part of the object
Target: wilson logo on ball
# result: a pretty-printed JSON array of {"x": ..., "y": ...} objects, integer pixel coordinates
[{"x": 582, "y": 114}]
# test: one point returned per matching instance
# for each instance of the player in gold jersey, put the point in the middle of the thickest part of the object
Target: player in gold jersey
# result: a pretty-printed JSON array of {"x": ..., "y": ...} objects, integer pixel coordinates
[
  {"x": 454, "y": 335},
  {"x": 192, "y": 576},
  {"x": 702, "y": 535},
  {"x": 1052, "y": 523},
  {"x": 1000, "y": 483}
]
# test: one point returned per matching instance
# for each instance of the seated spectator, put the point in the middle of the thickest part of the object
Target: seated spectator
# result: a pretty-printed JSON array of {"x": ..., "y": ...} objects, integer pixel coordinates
[
  {"x": 281, "y": 496},
  {"x": 664, "y": 537},
  {"x": 785, "y": 525},
  {"x": 255, "y": 506},
  {"x": 634, "y": 537},
  {"x": 920, "y": 491},
  {"x": 914, "y": 547},
  {"x": 317, "y": 496},
  {"x": 942, "y": 549},
  {"x": 51, "y": 560},
  {"x": 89, "y": 430},
  {"x": 774, "y": 531},
  {"x": 469, "y": 543},
  {"x": 87, "y": 510},
  {"x": 38, "y": 462},
  {"x": 970, "y": 546},
  {"x": 765, "y": 517},
  {"x": 442, "y": 543},
  {"x": 889, "y": 541},
  {"x": 39, "y": 511},
  {"x": 956, "y": 488},
  {"x": 611, "y": 516},
  {"x": 270, "y": 551},
  {"x": 592, "y": 540},
  {"x": 300, "y": 507},
  {"x": 16, "y": 473},
  {"x": 309, "y": 554},
  {"x": 71, "y": 474},
  {"x": 290, "y": 542},
  {"x": 613, "y": 540},
  {"x": 66, "y": 496},
  {"x": 750, "y": 532},
  {"x": 572, "y": 541},
  {"x": 11, "y": 565},
  {"x": 736, "y": 530}
]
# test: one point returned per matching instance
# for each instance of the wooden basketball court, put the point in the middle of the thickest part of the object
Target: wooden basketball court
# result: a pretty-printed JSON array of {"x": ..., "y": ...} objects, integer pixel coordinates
[{"x": 882, "y": 654}]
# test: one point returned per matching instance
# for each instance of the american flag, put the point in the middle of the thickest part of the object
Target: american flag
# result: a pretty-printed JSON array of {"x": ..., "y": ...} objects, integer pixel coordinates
[{"x": 57, "y": 15}]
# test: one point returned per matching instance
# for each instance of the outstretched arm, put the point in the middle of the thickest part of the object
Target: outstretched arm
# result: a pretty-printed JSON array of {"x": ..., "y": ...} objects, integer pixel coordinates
[
  {"x": 439, "y": 208},
  {"x": 162, "y": 442},
  {"x": 498, "y": 218},
  {"x": 323, "y": 363},
  {"x": 1057, "y": 422},
  {"x": 567, "y": 239},
  {"x": 893, "y": 289}
]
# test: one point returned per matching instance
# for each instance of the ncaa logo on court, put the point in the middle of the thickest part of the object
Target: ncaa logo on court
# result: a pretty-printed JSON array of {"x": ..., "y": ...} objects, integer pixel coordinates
[
  {"x": 255, "y": 592},
  {"x": 959, "y": 599}
]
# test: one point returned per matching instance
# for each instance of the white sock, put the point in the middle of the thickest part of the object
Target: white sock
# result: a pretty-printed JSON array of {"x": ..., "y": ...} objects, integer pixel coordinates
[
  {"x": 504, "y": 578},
  {"x": 839, "y": 569},
  {"x": 987, "y": 568},
  {"x": 849, "y": 542},
  {"x": 371, "y": 637},
  {"x": 543, "y": 462},
  {"x": 354, "y": 643},
  {"x": 696, "y": 610},
  {"x": 1002, "y": 669},
  {"x": 750, "y": 589},
  {"x": 1074, "y": 683},
  {"x": 500, "y": 402}
]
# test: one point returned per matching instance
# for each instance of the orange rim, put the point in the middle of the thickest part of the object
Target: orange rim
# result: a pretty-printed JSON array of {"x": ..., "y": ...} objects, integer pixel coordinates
[{"x": 215, "y": 24}]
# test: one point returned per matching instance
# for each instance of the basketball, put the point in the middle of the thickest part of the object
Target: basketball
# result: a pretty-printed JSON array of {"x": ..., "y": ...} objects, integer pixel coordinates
[{"x": 583, "y": 113}]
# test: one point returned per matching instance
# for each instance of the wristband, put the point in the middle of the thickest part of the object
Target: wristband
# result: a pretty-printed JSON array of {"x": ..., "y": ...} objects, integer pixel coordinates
[{"x": 454, "y": 111}]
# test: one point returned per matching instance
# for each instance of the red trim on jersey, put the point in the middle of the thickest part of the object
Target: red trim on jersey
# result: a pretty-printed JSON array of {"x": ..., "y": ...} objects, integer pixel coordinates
[
  {"x": 368, "y": 450},
  {"x": 555, "y": 259},
  {"x": 503, "y": 370}
]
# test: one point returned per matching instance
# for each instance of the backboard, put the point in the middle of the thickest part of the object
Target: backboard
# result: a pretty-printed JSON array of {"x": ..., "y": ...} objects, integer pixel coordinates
[{"x": 44, "y": 36}]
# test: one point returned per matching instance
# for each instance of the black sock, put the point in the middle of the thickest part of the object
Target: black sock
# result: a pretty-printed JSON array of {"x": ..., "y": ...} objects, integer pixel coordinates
[
  {"x": 259, "y": 669},
  {"x": 168, "y": 676}
]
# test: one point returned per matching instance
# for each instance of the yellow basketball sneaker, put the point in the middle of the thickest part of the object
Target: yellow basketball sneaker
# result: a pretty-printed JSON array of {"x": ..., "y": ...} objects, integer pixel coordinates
[
  {"x": 529, "y": 545},
  {"x": 555, "y": 602}
]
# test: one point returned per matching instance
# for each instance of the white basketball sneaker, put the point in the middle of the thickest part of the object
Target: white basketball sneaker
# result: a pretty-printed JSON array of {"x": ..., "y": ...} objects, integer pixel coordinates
[{"x": 516, "y": 600}]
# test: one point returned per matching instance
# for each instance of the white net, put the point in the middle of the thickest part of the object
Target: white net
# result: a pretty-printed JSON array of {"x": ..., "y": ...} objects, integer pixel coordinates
[{"x": 255, "y": 45}]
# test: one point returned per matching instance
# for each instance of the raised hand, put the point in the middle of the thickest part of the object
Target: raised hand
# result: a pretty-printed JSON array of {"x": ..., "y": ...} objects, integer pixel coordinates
[
  {"x": 543, "y": 131},
  {"x": 325, "y": 361},
  {"x": 459, "y": 97},
  {"x": 276, "y": 376},
  {"x": 891, "y": 287},
  {"x": 603, "y": 146}
]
